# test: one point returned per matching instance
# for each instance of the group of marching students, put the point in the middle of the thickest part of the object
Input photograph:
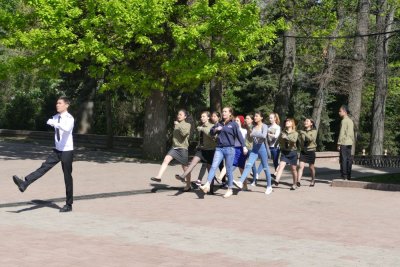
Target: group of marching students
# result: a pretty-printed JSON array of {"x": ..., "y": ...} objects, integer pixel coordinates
[{"x": 228, "y": 142}]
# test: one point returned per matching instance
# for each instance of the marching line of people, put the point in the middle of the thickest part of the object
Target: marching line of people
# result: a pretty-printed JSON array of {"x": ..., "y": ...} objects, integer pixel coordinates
[{"x": 239, "y": 141}]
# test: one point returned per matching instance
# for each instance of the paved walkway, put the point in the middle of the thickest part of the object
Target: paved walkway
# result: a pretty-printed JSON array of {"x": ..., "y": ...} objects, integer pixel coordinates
[{"x": 120, "y": 218}]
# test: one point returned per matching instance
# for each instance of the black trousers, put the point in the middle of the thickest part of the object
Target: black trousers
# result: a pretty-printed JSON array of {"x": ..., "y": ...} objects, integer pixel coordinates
[
  {"x": 346, "y": 161},
  {"x": 66, "y": 158}
]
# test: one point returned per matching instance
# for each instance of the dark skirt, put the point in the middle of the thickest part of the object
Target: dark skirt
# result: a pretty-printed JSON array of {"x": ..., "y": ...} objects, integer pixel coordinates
[
  {"x": 180, "y": 155},
  {"x": 290, "y": 157},
  {"x": 307, "y": 157},
  {"x": 240, "y": 158},
  {"x": 206, "y": 156}
]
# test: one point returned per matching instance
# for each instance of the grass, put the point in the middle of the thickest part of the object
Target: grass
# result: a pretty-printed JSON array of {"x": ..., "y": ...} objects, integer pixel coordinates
[{"x": 392, "y": 178}]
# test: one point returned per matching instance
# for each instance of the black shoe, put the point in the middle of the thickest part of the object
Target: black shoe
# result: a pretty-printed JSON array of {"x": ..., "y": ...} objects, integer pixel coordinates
[
  {"x": 158, "y": 180},
  {"x": 273, "y": 176},
  {"x": 348, "y": 178},
  {"x": 298, "y": 184},
  {"x": 275, "y": 182},
  {"x": 180, "y": 178},
  {"x": 22, "y": 185},
  {"x": 66, "y": 208},
  {"x": 312, "y": 183},
  {"x": 292, "y": 188}
]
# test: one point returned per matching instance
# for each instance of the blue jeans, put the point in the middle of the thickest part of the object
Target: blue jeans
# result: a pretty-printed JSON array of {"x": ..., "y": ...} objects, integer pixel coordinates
[
  {"x": 275, "y": 151},
  {"x": 259, "y": 150},
  {"x": 220, "y": 153}
]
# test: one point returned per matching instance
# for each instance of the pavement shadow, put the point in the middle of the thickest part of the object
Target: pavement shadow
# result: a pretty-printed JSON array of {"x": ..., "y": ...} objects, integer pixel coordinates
[{"x": 38, "y": 204}]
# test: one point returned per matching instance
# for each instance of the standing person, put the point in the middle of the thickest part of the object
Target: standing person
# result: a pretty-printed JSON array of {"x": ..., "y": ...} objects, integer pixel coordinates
[
  {"x": 308, "y": 146},
  {"x": 63, "y": 123},
  {"x": 179, "y": 150},
  {"x": 227, "y": 131},
  {"x": 260, "y": 149},
  {"x": 288, "y": 145},
  {"x": 345, "y": 142},
  {"x": 205, "y": 149}
]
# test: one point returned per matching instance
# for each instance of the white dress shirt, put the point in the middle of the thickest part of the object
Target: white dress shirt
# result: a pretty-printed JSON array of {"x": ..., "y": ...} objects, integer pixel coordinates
[{"x": 65, "y": 127}]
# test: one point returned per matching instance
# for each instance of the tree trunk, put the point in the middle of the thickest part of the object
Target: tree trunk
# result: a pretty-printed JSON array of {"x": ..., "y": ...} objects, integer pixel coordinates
[
  {"x": 384, "y": 19},
  {"x": 287, "y": 74},
  {"x": 328, "y": 71},
  {"x": 155, "y": 126},
  {"x": 86, "y": 108},
  {"x": 359, "y": 63},
  {"x": 216, "y": 89},
  {"x": 109, "y": 120}
]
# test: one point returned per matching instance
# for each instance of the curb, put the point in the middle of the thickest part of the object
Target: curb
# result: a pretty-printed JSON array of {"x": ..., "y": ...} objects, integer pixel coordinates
[{"x": 365, "y": 185}]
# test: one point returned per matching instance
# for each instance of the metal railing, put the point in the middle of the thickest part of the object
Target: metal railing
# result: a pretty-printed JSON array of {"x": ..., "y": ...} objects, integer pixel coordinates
[{"x": 379, "y": 161}]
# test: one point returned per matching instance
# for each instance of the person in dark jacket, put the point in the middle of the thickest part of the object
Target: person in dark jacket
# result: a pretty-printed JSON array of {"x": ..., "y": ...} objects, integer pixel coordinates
[{"x": 227, "y": 131}]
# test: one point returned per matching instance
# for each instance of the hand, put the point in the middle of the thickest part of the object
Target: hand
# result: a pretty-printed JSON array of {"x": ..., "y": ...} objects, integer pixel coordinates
[
  {"x": 176, "y": 122},
  {"x": 338, "y": 147},
  {"x": 199, "y": 128},
  {"x": 284, "y": 136},
  {"x": 51, "y": 122},
  {"x": 245, "y": 150},
  {"x": 219, "y": 128}
]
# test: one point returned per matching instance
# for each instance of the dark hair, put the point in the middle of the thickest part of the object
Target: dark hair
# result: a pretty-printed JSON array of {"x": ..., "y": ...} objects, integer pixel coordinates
[
  {"x": 65, "y": 99},
  {"x": 312, "y": 121},
  {"x": 206, "y": 112},
  {"x": 216, "y": 113},
  {"x": 259, "y": 113},
  {"x": 345, "y": 108}
]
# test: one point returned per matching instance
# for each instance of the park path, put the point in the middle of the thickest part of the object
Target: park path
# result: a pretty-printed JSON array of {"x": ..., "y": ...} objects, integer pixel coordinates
[{"x": 121, "y": 219}]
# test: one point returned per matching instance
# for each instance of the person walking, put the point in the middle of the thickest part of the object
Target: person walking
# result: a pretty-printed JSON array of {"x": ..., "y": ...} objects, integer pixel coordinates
[
  {"x": 260, "y": 149},
  {"x": 180, "y": 145},
  {"x": 63, "y": 123},
  {"x": 345, "y": 142},
  {"x": 288, "y": 145},
  {"x": 227, "y": 132},
  {"x": 308, "y": 146},
  {"x": 205, "y": 149}
]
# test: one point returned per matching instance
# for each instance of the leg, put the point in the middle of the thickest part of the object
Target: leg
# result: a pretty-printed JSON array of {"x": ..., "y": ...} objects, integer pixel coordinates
[
  {"x": 222, "y": 173},
  {"x": 229, "y": 154},
  {"x": 203, "y": 169},
  {"x": 188, "y": 176},
  {"x": 301, "y": 169},
  {"x": 294, "y": 174},
  {"x": 342, "y": 160},
  {"x": 349, "y": 162},
  {"x": 218, "y": 157},
  {"x": 250, "y": 163},
  {"x": 275, "y": 157},
  {"x": 188, "y": 169},
  {"x": 262, "y": 153},
  {"x": 164, "y": 166},
  {"x": 281, "y": 166},
  {"x": 312, "y": 170},
  {"x": 50, "y": 162},
  {"x": 255, "y": 174},
  {"x": 66, "y": 163}
]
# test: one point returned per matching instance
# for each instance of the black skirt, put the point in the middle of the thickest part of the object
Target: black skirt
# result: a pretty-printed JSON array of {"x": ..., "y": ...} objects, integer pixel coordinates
[
  {"x": 307, "y": 157},
  {"x": 180, "y": 155},
  {"x": 206, "y": 156}
]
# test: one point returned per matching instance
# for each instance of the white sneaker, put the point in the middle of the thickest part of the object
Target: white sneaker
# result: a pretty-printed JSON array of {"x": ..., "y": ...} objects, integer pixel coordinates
[
  {"x": 269, "y": 190},
  {"x": 228, "y": 193},
  {"x": 253, "y": 184},
  {"x": 205, "y": 188},
  {"x": 256, "y": 176},
  {"x": 239, "y": 184}
]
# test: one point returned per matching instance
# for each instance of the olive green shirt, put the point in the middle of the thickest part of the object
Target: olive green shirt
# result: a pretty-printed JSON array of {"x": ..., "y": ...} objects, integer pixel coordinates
[
  {"x": 180, "y": 136},
  {"x": 308, "y": 140},
  {"x": 346, "y": 135},
  {"x": 289, "y": 143},
  {"x": 208, "y": 140}
]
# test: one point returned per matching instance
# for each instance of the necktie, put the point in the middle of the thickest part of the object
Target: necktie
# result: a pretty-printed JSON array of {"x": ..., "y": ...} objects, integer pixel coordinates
[{"x": 58, "y": 130}]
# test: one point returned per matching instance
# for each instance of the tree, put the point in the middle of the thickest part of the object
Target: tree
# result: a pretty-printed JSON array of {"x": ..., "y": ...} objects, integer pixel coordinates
[
  {"x": 359, "y": 63},
  {"x": 384, "y": 20}
]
